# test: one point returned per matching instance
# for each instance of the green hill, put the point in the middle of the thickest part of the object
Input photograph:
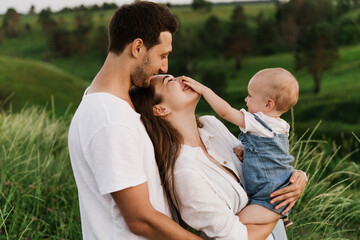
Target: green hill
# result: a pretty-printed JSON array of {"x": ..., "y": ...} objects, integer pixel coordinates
[
  {"x": 337, "y": 105},
  {"x": 33, "y": 82}
]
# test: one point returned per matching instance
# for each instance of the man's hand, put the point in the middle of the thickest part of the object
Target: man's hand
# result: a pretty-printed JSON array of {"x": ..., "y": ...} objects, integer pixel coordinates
[
  {"x": 239, "y": 153},
  {"x": 291, "y": 193}
]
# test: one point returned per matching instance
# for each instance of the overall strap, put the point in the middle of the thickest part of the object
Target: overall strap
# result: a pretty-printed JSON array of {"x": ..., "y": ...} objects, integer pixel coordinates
[{"x": 262, "y": 122}]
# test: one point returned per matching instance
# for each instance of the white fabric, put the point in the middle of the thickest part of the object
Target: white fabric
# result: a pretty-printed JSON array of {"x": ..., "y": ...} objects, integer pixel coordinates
[
  {"x": 278, "y": 125},
  {"x": 110, "y": 151},
  {"x": 209, "y": 198}
]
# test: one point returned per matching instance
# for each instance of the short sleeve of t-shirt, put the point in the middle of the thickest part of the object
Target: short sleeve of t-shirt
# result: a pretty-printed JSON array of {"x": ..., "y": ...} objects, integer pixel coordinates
[
  {"x": 279, "y": 126},
  {"x": 115, "y": 158}
]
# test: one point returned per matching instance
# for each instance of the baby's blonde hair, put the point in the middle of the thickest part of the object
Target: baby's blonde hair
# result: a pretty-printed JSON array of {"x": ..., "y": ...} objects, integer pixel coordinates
[{"x": 281, "y": 86}]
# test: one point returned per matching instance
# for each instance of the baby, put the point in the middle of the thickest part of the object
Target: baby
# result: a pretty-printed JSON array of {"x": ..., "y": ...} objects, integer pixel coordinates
[{"x": 266, "y": 164}]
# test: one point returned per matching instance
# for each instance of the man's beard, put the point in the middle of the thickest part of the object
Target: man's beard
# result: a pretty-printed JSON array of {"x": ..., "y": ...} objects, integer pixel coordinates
[{"x": 141, "y": 75}]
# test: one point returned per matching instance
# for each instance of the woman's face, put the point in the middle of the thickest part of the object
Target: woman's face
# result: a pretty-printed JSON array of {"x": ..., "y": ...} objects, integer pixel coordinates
[{"x": 175, "y": 95}]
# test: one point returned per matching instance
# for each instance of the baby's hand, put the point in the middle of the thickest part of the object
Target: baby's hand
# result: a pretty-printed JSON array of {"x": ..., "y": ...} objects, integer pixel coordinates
[
  {"x": 195, "y": 85},
  {"x": 239, "y": 153}
]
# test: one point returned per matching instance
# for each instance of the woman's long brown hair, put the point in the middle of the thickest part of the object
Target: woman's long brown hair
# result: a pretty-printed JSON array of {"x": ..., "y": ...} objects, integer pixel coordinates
[{"x": 166, "y": 139}]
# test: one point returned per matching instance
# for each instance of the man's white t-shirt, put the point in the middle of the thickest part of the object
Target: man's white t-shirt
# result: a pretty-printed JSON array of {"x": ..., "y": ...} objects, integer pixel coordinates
[{"x": 110, "y": 151}]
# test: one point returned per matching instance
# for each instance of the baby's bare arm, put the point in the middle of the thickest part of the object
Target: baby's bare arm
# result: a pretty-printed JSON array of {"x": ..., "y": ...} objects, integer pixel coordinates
[{"x": 220, "y": 106}]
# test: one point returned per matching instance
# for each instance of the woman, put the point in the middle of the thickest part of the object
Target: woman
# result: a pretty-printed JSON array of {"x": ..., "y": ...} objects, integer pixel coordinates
[{"x": 200, "y": 172}]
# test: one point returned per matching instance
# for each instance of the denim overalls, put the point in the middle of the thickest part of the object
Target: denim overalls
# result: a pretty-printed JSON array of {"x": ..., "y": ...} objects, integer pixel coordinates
[{"x": 266, "y": 166}]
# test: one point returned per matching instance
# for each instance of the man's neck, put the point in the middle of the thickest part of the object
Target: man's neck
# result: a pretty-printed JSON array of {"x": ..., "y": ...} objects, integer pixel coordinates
[{"x": 113, "y": 77}]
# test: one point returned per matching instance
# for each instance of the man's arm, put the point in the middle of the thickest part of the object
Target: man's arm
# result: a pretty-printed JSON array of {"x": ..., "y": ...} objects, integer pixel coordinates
[
  {"x": 220, "y": 106},
  {"x": 142, "y": 219},
  {"x": 291, "y": 193}
]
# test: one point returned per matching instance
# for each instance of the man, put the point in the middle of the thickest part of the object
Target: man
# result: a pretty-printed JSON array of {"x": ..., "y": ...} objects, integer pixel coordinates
[{"x": 120, "y": 192}]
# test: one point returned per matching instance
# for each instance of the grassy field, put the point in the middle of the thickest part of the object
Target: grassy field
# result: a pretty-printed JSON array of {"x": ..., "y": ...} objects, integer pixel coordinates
[{"x": 38, "y": 195}]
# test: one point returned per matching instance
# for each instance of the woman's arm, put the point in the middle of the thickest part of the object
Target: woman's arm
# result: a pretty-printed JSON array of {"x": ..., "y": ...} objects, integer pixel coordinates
[
  {"x": 204, "y": 210},
  {"x": 291, "y": 193}
]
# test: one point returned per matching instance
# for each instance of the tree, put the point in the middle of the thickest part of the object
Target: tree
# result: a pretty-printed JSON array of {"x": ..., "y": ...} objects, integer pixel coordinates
[
  {"x": 187, "y": 51},
  {"x": 46, "y": 21},
  {"x": 238, "y": 41},
  {"x": 32, "y": 10},
  {"x": 212, "y": 36},
  {"x": 267, "y": 36},
  {"x": 83, "y": 26},
  {"x": 12, "y": 26},
  {"x": 317, "y": 51},
  {"x": 348, "y": 31},
  {"x": 201, "y": 4},
  {"x": 215, "y": 79},
  {"x": 286, "y": 19},
  {"x": 296, "y": 16},
  {"x": 100, "y": 41}
]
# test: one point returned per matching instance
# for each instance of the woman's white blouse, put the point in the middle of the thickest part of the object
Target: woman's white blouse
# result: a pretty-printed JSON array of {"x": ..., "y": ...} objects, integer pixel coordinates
[{"x": 209, "y": 198}]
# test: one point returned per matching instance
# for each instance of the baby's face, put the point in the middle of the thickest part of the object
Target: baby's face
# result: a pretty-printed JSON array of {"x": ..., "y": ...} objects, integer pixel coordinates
[{"x": 256, "y": 99}]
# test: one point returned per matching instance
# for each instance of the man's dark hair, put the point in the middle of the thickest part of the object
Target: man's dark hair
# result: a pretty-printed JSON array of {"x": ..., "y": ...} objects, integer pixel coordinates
[{"x": 145, "y": 20}]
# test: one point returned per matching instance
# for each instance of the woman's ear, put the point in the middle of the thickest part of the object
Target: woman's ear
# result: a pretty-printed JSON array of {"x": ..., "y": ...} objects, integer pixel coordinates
[
  {"x": 161, "y": 111},
  {"x": 137, "y": 47}
]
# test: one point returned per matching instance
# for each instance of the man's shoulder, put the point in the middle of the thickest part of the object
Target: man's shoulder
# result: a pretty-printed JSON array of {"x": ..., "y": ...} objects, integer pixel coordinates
[
  {"x": 100, "y": 111},
  {"x": 109, "y": 108}
]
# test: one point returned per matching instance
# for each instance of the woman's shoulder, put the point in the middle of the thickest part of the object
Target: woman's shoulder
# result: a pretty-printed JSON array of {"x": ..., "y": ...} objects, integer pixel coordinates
[{"x": 209, "y": 122}]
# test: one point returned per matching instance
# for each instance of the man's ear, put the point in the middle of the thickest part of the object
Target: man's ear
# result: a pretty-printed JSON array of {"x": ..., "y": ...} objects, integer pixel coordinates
[
  {"x": 137, "y": 47},
  {"x": 270, "y": 105},
  {"x": 161, "y": 111}
]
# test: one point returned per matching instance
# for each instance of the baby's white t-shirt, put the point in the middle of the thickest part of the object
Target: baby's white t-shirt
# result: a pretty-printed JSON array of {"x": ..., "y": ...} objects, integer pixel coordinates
[
  {"x": 110, "y": 150},
  {"x": 278, "y": 125}
]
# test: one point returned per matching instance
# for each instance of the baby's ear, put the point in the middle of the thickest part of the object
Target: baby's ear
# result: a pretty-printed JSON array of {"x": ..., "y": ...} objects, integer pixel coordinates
[
  {"x": 270, "y": 105},
  {"x": 160, "y": 111}
]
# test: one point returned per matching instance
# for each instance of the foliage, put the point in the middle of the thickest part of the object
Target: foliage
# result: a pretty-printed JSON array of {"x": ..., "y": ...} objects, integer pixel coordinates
[
  {"x": 317, "y": 51},
  {"x": 12, "y": 26},
  {"x": 212, "y": 36},
  {"x": 47, "y": 23},
  {"x": 239, "y": 37},
  {"x": 201, "y": 4},
  {"x": 348, "y": 31},
  {"x": 187, "y": 51},
  {"x": 295, "y": 16},
  {"x": 267, "y": 36}
]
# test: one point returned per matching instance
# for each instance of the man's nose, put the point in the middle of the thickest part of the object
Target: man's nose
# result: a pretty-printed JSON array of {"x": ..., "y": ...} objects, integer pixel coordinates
[{"x": 164, "y": 66}]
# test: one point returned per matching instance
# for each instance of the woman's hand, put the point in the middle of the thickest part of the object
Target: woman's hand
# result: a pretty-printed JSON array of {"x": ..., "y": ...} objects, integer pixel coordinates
[{"x": 291, "y": 193}]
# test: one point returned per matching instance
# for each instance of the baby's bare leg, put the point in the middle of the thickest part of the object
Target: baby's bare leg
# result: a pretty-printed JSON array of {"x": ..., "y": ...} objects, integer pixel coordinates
[{"x": 256, "y": 214}]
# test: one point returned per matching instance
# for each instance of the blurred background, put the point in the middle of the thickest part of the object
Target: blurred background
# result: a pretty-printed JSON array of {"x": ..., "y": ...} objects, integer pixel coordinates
[
  {"x": 51, "y": 50},
  {"x": 46, "y": 53}
]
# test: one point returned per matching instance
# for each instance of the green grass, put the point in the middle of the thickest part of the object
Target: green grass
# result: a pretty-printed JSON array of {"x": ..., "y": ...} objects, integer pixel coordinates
[
  {"x": 38, "y": 194},
  {"x": 38, "y": 198},
  {"x": 33, "y": 82}
]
